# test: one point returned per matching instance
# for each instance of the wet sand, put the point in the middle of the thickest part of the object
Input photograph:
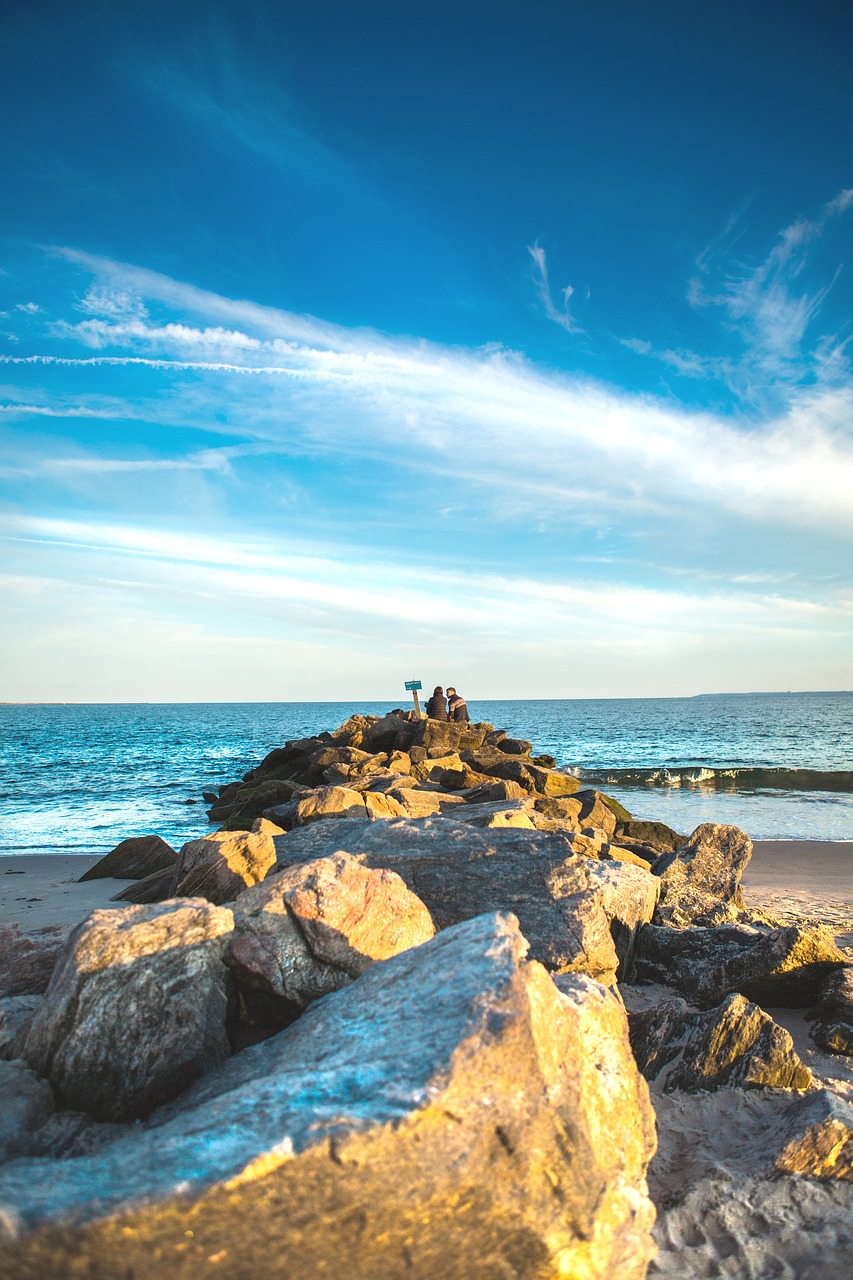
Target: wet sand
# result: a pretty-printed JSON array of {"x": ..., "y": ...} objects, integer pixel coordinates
[{"x": 803, "y": 880}]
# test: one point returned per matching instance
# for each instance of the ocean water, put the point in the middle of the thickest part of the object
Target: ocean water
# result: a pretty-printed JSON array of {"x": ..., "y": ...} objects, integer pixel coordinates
[{"x": 79, "y": 778}]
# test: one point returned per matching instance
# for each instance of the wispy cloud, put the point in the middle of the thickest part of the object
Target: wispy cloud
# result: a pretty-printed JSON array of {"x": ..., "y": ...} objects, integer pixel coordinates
[
  {"x": 770, "y": 308},
  {"x": 586, "y": 447},
  {"x": 561, "y": 315}
]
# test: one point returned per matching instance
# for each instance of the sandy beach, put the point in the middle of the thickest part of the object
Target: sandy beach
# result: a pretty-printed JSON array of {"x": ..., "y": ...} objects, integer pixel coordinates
[
  {"x": 42, "y": 889},
  {"x": 803, "y": 880}
]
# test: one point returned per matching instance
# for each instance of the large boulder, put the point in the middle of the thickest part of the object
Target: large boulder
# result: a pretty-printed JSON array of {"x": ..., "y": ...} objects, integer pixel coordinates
[
  {"x": 134, "y": 858},
  {"x": 27, "y": 960},
  {"x": 832, "y": 1017},
  {"x": 450, "y": 1114},
  {"x": 700, "y": 882},
  {"x": 737, "y": 1045},
  {"x": 136, "y": 1008},
  {"x": 776, "y": 967},
  {"x": 654, "y": 835},
  {"x": 316, "y": 926},
  {"x": 577, "y": 914},
  {"x": 221, "y": 865},
  {"x": 264, "y": 796},
  {"x": 26, "y": 1103}
]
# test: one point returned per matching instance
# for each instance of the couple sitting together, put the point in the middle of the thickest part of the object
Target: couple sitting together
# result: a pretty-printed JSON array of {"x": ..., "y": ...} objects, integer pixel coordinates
[{"x": 453, "y": 707}]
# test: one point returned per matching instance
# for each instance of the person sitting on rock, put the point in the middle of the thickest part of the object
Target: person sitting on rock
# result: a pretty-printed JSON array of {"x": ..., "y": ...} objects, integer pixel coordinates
[
  {"x": 457, "y": 706},
  {"x": 436, "y": 707}
]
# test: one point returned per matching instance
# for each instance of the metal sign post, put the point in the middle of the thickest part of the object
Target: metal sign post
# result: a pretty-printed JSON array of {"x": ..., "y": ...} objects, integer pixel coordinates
[{"x": 413, "y": 686}]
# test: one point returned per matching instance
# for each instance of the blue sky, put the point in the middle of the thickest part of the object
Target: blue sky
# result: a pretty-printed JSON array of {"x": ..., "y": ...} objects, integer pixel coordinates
[{"x": 508, "y": 349}]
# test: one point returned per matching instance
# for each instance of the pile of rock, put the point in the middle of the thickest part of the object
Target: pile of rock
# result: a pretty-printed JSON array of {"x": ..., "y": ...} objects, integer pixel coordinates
[{"x": 394, "y": 1018}]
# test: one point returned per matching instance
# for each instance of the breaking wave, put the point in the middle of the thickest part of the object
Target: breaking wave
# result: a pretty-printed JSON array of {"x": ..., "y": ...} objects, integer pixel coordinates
[{"x": 736, "y": 779}]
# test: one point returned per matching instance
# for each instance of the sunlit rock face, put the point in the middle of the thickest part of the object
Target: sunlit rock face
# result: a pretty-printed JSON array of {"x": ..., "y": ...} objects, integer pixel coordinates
[
  {"x": 315, "y": 927},
  {"x": 449, "y": 1114},
  {"x": 136, "y": 1008},
  {"x": 700, "y": 882},
  {"x": 223, "y": 864}
]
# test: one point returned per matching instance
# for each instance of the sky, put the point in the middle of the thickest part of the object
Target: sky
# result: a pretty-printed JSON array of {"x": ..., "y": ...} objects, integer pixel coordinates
[{"x": 499, "y": 346}]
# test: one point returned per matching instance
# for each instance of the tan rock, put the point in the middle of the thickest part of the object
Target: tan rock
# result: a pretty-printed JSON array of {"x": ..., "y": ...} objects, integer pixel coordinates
[
  {"x": 379, "y": 805},
  {"x": 433, "y": 768}
]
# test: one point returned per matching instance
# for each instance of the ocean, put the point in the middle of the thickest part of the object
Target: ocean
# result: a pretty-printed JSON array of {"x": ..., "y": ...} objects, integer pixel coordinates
[{"x": 79, "y": 778}]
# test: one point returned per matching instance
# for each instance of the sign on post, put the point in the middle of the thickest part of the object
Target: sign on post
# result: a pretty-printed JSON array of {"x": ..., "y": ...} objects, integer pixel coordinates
[{"x": 413, "y": 686}]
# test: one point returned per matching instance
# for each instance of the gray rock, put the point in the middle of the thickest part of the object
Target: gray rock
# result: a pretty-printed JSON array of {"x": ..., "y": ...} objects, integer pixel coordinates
[
  {"x": 776, "y": 967},
  {"x": 133, "y": 859},
  {"x": 832, "y": 1018},
  {"x": 136, "y": 1008},
  {"x": 16, "y": 1016},
  {"x": 26, "y": 1102},
  {"x": 700, "y": 882},
  {"x": 27, "y": 959},
  {"x": 450, "y": 1114},
  {"x": 577, "y": 914},
  {"x": 656, "y": 1034},
  {"x": 737, "y": 1045},
  {"x": 655, "y": 835},
  {"x": 313, "y": 928}
]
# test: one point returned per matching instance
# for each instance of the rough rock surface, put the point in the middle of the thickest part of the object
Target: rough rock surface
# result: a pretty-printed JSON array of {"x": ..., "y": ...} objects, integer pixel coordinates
[
  {"x": 136, "y": 1008},
  {"x": 450, "y": 1114},
  {"x": 577, "y": 914},
  {"x": 777, "y": 967},
  {"x": 832, "y": 1016},
  {"x": 316, "y": 926},
  {"x": 27, "y": 959},
  {"x": 16, "y": 1015},
  {"x": 700, "y": 882},
  {"x": 656, "y": 835},
  {"x": 133, "y": 859},
  {"x": 220, "y": 866},
  {"x": 739, "y": 1045},
  {"x": 817, "y": 1138},
  {"x": 26, "y": 1102},
  {"x": 154, "y": 888},
  {"x": 656, "y": 1034}
]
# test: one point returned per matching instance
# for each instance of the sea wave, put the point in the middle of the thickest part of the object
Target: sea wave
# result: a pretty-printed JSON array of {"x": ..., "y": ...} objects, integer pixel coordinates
[{"x": 702, "y": 778}]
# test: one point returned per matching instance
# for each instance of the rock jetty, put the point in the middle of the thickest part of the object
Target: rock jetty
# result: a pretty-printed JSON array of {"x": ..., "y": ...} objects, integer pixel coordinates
[{"x": 410, "y": 1011}]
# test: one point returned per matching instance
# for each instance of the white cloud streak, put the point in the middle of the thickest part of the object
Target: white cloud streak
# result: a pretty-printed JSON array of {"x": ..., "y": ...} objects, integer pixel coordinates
[
  {"x": 560, "y": 315},
  {"x": 523, "y": 435}
]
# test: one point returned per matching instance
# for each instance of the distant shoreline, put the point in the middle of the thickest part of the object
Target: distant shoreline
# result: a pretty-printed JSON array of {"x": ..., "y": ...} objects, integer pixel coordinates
[{"x": 303, "y": 702}]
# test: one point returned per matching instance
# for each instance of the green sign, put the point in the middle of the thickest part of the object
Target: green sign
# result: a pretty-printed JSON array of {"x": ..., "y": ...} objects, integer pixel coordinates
[{"x": 413, "y": 684}]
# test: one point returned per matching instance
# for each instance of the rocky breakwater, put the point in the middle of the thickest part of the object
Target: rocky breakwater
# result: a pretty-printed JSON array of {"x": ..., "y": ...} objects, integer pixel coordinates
[{"x": 394, "y": 1019}]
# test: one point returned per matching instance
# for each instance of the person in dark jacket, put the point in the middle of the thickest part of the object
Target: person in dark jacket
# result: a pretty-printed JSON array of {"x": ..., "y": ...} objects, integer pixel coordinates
[
  {"x": 457, "y": 706},
  {"x": 436, "y": 707}
]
